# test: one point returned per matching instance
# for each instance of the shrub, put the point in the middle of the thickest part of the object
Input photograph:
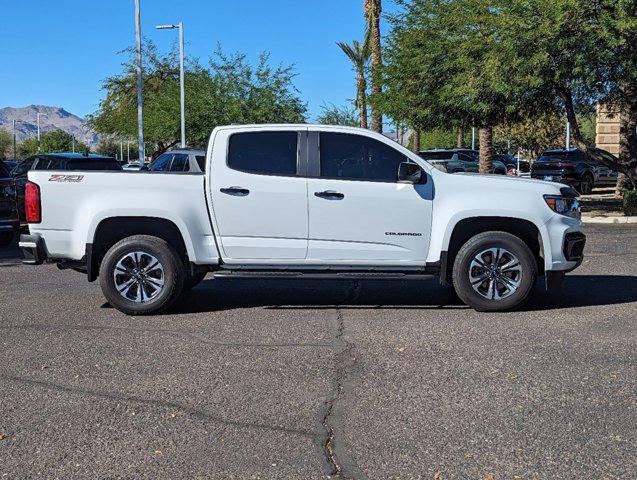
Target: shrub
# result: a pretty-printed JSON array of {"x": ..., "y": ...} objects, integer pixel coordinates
[{"x": 630, "y": 203}]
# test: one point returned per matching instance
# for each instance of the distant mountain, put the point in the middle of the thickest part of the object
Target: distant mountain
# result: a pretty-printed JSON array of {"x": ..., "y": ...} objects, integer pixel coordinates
[{"x": 53, "y": 118}]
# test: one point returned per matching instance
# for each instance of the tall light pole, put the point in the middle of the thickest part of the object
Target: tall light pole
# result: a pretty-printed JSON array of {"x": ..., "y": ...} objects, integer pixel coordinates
[
  {"x": 14, "y": 144},
  {"x": 140, "y": 119},
  {"x": 473, "y": 138},
  {"x": 180, "y": 26},
  {"x": 568, "y": 135},
  {"x": 38, "y": 115}
]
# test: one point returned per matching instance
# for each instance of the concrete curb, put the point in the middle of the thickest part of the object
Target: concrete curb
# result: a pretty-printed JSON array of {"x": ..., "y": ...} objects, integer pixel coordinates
[{"x": 618, "y": 220}]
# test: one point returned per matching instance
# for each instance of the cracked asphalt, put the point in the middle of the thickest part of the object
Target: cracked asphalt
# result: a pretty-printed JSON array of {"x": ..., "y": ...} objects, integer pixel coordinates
[{"x": 318, "y": 379}]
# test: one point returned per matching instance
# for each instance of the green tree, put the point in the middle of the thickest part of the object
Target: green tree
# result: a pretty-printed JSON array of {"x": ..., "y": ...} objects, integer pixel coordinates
[
  {"x": 565, "y": 56},
  {"x": 54, "y": 141},
  {"x": 230, "y": 90},
  {"x": 334, "y": 115},
  {"x": 6, "y": 142},
  {"x": 358, "y": 54},
  {"x": 111, "y": 147}
]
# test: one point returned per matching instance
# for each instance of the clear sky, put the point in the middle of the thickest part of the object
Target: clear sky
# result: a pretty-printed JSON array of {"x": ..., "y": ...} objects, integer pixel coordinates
[{"x": 57, "y": 52}]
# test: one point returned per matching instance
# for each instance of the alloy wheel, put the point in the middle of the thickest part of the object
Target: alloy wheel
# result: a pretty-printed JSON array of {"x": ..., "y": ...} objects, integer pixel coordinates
[
  {"x": 495, "y": 273},
  {"x": 139, "y": 277}
]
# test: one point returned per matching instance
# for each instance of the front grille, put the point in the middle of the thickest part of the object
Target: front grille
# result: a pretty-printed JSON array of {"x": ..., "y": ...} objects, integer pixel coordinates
[{"x": 574, "y": 243}]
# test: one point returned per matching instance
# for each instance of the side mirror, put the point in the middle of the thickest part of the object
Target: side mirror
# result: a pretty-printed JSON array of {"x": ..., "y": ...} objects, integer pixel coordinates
[{"x": 410, "y": 173}]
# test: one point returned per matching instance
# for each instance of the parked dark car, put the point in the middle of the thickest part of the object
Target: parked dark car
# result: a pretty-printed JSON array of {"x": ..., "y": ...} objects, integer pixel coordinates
[
  {"x": 57, "y": 161},
  {"x": 9, "y": 222},
  {"x": 457, "y": 160},
  {"x": 180, "y": 160},
  {"x": 571, "y": 167},
  {"x": 10, "y": 164}
]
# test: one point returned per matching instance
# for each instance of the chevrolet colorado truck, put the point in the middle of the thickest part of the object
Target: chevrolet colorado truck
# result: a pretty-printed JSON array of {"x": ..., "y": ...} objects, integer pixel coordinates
[{"x": 302, "y": 201}]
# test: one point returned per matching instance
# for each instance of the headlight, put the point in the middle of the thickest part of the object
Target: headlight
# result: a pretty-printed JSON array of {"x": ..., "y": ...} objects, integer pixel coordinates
[{"x": 563, "y": 205}]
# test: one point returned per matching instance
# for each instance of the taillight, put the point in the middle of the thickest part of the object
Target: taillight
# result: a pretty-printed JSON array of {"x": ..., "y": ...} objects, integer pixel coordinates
[{"x": 32, "y": 207}]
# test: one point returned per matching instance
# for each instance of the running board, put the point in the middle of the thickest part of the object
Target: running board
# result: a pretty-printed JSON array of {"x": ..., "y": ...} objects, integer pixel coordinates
[{"x": 327, "y": 275}]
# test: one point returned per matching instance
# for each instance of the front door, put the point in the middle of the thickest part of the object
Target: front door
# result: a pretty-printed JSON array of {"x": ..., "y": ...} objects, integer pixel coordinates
[
  {"x": 259, "y": 195},
  {"x": 358, "y": 213}
]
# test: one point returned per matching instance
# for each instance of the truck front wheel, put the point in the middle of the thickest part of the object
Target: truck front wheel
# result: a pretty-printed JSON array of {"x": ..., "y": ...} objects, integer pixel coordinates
[
  {"x": 141, "y": 275},
  {"x": 494, "y": 272}
]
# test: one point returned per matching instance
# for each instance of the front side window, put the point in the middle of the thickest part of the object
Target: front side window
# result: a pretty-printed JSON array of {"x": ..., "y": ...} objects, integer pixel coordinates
[
  {"x": 180, "y": 163},
  {"x": 266, "y": 153},
  {"x": 354, "y": 157}
]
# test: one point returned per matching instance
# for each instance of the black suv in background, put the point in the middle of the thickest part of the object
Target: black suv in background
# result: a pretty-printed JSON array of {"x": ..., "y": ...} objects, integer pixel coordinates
[
  {"x": 457, "y": 160},
  {"x": 9, "y": 222},
  {"x": 57, "y": 161},
  {"x": 573, "y": 168}
]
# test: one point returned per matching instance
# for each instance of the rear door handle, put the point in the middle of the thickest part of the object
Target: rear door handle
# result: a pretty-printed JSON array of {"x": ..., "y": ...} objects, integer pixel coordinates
[
  {"x": 236, "y": 191},
  {"x": 330, "y": 195}
]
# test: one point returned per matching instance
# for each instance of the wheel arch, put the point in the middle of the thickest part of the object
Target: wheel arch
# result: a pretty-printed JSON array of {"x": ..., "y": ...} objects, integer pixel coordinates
[
  {"x": 466, "y": 228},
  {"x": 111, "y": 230}
]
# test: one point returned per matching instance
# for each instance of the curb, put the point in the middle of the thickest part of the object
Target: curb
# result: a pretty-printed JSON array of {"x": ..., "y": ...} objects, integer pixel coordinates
[{"x": 607, "y": 220}]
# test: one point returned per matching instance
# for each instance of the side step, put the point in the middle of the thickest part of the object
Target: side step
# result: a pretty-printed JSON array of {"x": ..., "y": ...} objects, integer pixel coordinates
[{"x": 325, "y": 275}]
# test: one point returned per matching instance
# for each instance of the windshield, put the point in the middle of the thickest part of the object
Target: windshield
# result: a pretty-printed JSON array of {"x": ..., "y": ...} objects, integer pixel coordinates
[{"x": 4, "y": 171}]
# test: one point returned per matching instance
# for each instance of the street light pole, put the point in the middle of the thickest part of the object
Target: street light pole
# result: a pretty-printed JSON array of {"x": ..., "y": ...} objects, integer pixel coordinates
[
  {"x": 140, "y": 119},
  {"x": 568, "y": 135},
  {"x": 38, "y": 115},
  {"x": 473, "y": 138},
  {"x": 14, "y": 144},
  {"x": 180, "y": 26}
]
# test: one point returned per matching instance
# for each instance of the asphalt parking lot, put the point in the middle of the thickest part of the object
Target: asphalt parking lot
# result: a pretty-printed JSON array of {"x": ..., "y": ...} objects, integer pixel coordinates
[{"x": 311, "y": 379}]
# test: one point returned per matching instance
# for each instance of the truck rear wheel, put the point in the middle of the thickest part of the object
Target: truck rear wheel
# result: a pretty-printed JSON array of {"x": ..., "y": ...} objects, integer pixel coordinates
[
  {"x": 494, "y": 272},
  {"x": 141, "y": 275}
]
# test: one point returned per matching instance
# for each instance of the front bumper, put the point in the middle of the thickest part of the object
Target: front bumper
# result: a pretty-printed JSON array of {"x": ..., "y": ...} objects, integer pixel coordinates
[{"x": 33, "y": 249}]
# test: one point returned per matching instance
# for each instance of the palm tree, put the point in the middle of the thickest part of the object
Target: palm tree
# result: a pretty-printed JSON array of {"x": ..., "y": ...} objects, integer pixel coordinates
[
  {"x": 359, "y": 53},
  {"x": 373, "y": 10}
]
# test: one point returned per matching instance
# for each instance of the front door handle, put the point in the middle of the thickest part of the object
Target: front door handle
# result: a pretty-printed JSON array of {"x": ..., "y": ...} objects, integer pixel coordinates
[
  {"x": 236, "y": 191},
  {"x": 330, "y": 195}
]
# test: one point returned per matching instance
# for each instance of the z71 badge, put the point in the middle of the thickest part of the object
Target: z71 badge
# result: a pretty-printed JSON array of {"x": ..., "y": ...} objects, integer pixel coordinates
[{"x": 66, "y": 178}]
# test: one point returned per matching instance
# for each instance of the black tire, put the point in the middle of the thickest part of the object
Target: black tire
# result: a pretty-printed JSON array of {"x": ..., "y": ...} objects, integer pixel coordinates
[
  {"x": 524, "y": 276},
  {"x": 586, "y": 185},
  {"x": 191, "y": 281},
  {"x": 172, "y": 275},
  {"x": 6, "y": 238}
]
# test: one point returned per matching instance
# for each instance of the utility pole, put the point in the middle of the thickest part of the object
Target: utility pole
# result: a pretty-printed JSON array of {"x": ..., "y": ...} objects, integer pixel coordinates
[
  {"x": 140, "y": 118},
  {"x": 180, "y": 26}
]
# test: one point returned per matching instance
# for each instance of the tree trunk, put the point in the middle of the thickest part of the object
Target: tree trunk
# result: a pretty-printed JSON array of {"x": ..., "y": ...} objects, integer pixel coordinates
[
  {"x": 460, "y": 138},
  {"x": 362, "y": 100},
  {"x": 628, "y": 143},
  {"x": 486, "y": 150},
  {"x": 416, "y": 141},
  {"x": 373, "y": 10},
  {"x": 629, "y": 168}
]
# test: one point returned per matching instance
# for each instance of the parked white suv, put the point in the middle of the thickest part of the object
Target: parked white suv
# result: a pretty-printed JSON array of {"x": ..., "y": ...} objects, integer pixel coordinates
[{"x": 298, "y": 200}]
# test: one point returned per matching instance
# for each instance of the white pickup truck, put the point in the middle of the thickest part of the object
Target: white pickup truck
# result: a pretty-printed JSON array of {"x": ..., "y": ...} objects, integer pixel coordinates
[{"x": 298, "y": 201}]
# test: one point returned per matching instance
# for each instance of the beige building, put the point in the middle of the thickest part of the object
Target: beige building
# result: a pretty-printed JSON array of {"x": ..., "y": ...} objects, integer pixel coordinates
[{"x": 607, "y": 129}]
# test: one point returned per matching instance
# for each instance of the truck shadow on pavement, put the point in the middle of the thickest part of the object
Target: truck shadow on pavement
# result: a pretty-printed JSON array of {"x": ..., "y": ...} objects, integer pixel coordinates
[{"x": 215, "y": 295}]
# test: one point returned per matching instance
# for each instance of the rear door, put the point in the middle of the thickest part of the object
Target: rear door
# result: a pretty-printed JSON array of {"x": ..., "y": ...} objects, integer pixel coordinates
[
  {"x": 358, "y": 213},
  {"x": 258, "y": 192}
]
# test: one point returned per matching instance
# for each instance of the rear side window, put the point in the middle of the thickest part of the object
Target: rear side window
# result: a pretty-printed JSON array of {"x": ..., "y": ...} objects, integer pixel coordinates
[
  {"x": 354, "y": 157},
  {"x": 201, "y": 161},
  {"x": 48, "y": 163},
  {"x": 266, "y": 153}
]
